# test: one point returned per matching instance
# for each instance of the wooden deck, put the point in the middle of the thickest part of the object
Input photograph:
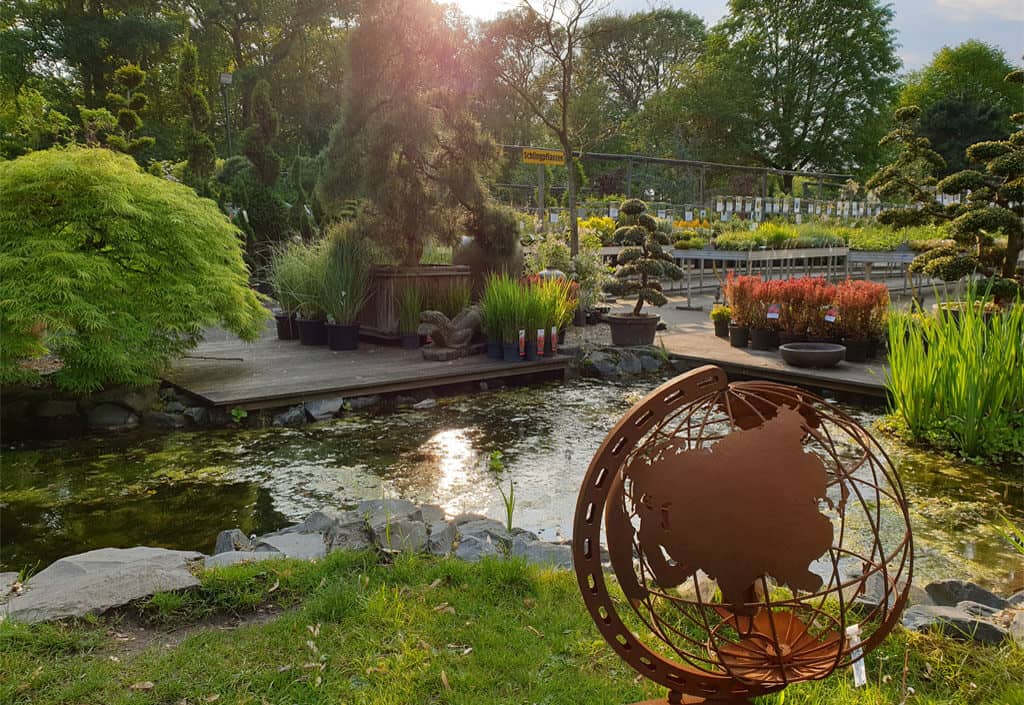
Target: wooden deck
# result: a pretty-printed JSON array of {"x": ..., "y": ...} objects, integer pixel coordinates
[
  {"x": 701, "y": 347},
  {"x": 270, "y": 373}
]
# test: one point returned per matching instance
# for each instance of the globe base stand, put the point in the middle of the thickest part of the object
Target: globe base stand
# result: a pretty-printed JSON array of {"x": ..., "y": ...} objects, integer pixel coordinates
[{"x": 680, "y": 699}]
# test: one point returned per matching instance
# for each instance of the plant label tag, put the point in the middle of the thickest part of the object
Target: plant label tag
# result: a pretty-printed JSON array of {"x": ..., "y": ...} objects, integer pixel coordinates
[
  {"x": 726, "y": 217},
  {"x": 540, "y": 341},
  {"x": 796, "y": 204},
  {"x": 553, "y": 217},
  {"x": 719, "y": 206},
  {"x": 703, "y": 213},
  {"x": 613, "y": 212},
  {"x": 522, "y": 342},
  {"x": 860, "y": 675},
  {"x": 554, "y": 339},
  {"x": 773, "y": 312},
  {"x": 663, "y": 213},
  {"x": 831, "y": 315},
  {"x": 785, "y": 207},
  {"x": 799, "y": 218},
  {"x": 728, "y": 207},
  {"x": 688, "y": 215}
]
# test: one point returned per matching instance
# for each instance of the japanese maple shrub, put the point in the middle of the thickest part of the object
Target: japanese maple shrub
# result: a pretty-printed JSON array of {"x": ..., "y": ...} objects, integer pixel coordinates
[
  {"x": 645, "y": 260},
  {"x": 110, "y": 270}
]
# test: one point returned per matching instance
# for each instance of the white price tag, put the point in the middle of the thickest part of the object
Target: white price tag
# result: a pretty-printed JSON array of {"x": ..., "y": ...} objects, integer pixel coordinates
[
  {"x": 688, "y": 215},
  {"x": 860, "y": 675},
  {"x": 662, "y": 213},
  {"x": 553, "y": 217},
  {"x": 720, "y": 206},
  {"x": 613, "y": 212}
]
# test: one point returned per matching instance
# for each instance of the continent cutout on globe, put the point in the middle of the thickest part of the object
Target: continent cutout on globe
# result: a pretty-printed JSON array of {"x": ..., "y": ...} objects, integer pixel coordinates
[{"x": 743, "y": 508}]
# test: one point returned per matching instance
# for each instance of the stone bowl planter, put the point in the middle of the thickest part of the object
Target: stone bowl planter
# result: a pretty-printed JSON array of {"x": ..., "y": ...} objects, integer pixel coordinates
[
  {"x": 812, "y": 354},
  {"x": 628, "y": 330}
]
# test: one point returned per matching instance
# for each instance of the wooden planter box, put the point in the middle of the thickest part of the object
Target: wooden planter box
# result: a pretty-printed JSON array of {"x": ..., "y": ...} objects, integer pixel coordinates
[{"x": 380, "y": 315}]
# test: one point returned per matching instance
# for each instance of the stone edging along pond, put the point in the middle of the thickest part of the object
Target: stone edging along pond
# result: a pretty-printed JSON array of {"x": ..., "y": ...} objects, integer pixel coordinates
[{"x": 97, "y": 581}]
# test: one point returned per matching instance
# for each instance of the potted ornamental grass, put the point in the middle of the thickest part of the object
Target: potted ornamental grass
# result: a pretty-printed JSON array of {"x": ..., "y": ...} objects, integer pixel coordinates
[
  {"x": 286, "y": 275},
  {"x": 642, "y": 265},
  {"x": 503, "y": 306},
  {"x": 721, "y": 315},
  {"x": 862, "y": 307},
  {"x": 410, "y": 306},
  {"x": 310, "y": 297},
  {"x": 490, "y": 320},
  {"x": 346, "y": 286}
]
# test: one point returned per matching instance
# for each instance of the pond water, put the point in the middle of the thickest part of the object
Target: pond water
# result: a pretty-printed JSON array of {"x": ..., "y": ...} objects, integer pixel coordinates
[{"x": 178, "y": 490}]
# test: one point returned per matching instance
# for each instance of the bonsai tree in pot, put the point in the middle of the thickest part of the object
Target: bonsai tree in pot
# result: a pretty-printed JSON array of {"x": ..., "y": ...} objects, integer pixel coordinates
[
  {"x": 641, "y": 266},
  {"x": 346, "y": 285}
]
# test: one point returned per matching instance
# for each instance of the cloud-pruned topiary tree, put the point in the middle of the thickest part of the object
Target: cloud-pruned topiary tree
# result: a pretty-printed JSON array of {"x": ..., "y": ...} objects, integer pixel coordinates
[
  {"x": 911, "y": 177},
  {"x": 644, "y": 262},
  {"x": 111, "y": 270},
  {"x": 200, "y": 155},
  {"x": 995, "y": 200},
  {"x": 129, "y": 103}
]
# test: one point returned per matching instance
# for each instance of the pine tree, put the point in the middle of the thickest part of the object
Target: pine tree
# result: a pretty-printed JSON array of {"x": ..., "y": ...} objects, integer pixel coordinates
[
  {"x": 644, "y": 261},
  {"x": 129, "y": 103},
  {"x": 258, "y": 139}
]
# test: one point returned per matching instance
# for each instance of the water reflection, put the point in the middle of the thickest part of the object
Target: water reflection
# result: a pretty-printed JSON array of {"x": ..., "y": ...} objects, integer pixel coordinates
[{"x": 178, "y": 490}]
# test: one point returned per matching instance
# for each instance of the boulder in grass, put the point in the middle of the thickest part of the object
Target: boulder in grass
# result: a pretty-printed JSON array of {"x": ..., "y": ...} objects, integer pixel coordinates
[
  {"x": 948, "y": 593},
  {"x": 231, "y": 540},
  {"x": 954, "y": 623},
  {"x": 302, "y": 546},
  {"x": 92, "y": 583}
]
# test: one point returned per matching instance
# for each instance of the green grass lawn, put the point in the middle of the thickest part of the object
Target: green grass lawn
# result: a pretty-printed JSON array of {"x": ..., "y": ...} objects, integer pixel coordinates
[{"x": 418, "y": 631}]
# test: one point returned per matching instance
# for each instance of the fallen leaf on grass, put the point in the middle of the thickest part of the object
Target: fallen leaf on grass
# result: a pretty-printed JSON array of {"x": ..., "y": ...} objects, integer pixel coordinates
[
  {"x": 144, "y": 685},
  {"x": 211, "y": 698},
  {"x": 445, "y": 607},
  {"x": 535, "y": 631},
  {"x": 435, "y": 584},
  {"x": 275, "y": 586},
  {"x": 444, "y": 681}
]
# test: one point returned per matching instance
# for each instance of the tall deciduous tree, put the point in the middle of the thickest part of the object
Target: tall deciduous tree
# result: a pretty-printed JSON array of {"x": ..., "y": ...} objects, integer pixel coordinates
[
  {"x": 963, "y": 99},
  {"x": 810, "y": 80},
  {"x": 407, "y": 142},
  {"x": 534, "y": 54}
]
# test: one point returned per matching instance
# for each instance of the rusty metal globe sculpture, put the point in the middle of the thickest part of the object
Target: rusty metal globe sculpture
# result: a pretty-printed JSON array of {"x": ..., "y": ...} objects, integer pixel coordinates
[{"x": 759, "y": 537}]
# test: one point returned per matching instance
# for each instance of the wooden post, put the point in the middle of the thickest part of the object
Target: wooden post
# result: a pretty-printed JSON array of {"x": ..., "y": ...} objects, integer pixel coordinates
[{"x": 542, "y": 198}]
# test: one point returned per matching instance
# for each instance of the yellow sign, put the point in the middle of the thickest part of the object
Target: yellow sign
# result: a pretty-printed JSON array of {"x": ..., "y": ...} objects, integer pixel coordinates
[{"x": 552, "y": 157}]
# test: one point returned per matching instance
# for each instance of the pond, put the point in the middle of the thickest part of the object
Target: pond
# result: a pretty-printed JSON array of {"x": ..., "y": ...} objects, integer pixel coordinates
[{"x": 178, "y": 490}]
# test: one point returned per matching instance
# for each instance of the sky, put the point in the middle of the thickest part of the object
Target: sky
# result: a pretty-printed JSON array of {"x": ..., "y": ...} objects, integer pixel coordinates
[{"x": 923, "y": 26}]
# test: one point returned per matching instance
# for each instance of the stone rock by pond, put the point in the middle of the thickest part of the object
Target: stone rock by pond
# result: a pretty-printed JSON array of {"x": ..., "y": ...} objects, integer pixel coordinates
[
  {"x": 401, "y": 535},
  {"x": 294, "y": 545},
  {"x": 164, "y": 420},
  {"x": 954, "y": 623},
  {"x": 235, "y": 557},
  {"x": 112, "y": 417},
  {"x": 360, "y": 403},
  {"x": 323, "y": 409},
  {"x": 555, "y": 555},
  {"x": 96, "y": 581},
  {"x": 1016, "y": 599},
  {"x": 231, "y": 540},
  {"x": 425, "y": 404},
  {"x": 473, "y": 548},
  {"x": 442, "y": 537},
  {"x": 949, "y": 593},
  {"x": 629, "y": 364},
  {"x": 614, "y": 363},
  {"x": 7, "y": 582},
  {"x": 292, "y": 416}
]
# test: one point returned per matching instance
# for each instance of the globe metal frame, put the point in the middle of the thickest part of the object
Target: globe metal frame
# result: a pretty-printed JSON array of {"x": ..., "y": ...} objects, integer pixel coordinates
[{"x": 718, "y": 652}]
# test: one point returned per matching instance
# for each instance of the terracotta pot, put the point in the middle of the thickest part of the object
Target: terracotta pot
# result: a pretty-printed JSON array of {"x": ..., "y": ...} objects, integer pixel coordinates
[
  {"x": 722, "y": 327},
  {"x": 739, "y": 336},
  {"x": 342, "y": 336},
  {"x": 311, "y": 332},
  {"x": 628, "y": 329}
]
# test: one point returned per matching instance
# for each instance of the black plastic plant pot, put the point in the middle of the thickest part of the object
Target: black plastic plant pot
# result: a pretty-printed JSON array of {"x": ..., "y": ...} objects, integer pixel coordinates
[
  {"x": 311, "y": 332},
  {"x": 761, "y": 338},
  {"x": 410, "y": 341},
  {"x": 856, "y": 350},
  {"x": 342, "y": 336},
  {"x": 722, "y": 328},
  {"x": 549, "y": 349},
  {"x": 739, "y": 336},
  {"x": 510, "y": 352},
  {"x": 286, "y": 328},
  {"x": 494, "y": 349},
  {"x": 531, "y": 350}
]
